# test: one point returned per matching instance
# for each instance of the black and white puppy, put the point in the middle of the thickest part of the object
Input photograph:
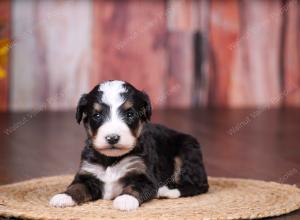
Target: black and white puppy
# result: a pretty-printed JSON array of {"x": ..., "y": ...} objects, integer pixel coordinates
[{"x": 127, "y": 159}]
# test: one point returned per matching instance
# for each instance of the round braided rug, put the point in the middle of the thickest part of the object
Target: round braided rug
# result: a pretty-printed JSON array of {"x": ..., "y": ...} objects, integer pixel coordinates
[{"x": 226, "y": 199}]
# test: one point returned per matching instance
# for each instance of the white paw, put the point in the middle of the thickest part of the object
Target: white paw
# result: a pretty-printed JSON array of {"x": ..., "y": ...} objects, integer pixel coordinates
[
  {"x": 165, "y": 192},
  {"x": 125, "y": 202},
  {"x": 62, "y": 200}
]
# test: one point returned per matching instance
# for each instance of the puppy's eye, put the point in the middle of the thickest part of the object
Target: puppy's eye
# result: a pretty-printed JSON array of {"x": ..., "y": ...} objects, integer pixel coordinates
[
  {"x": 129, "y": 114},
  {"x": 97, "y": 116}
]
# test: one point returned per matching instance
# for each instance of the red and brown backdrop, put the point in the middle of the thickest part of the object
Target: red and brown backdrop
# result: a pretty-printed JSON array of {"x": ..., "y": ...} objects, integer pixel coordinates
[{"x": 183, "y": 53}]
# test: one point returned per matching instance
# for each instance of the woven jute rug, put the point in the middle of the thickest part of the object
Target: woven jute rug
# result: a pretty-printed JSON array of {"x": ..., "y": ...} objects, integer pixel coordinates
[{"x": 226, "y": 199}]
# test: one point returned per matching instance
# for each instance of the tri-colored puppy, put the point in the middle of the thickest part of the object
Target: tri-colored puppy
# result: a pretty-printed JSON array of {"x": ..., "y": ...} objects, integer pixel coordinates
[{"x": 128, "y": 159}]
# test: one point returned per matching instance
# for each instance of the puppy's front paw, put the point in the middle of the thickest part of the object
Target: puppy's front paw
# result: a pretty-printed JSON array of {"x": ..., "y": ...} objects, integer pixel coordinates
[
  {"x": 62, "y": 200},
  {"x": 165, "y": 192},
  {"x": 126, "y": 202}
]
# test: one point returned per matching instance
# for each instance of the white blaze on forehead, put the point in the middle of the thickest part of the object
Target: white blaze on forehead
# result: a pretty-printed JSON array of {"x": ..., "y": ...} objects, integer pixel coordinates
[
  {"x": 112, "y": 96},
  {"x": 112, "y": 91}
]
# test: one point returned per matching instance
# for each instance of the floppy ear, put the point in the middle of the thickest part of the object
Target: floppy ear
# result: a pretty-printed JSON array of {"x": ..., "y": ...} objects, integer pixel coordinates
[
  {"x": 147, "y": 106},
  {"x": 81, "y": 107}
]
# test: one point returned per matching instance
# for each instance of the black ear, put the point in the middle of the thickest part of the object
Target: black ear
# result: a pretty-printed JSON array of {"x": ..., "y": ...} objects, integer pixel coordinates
[
  {"x": 81, "y": 107},
  {"x": 147, "y": 106}
]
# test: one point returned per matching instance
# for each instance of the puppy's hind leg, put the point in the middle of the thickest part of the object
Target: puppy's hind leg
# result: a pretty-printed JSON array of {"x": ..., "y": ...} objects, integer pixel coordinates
[{"x": 190, "y": 175}]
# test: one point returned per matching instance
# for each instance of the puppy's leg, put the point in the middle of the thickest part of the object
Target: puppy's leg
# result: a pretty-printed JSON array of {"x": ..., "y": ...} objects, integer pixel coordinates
[
  {"x": 137, "y": 189},
  {"x": 84, "y": 188},
  {"x": 190, "y": 175}
]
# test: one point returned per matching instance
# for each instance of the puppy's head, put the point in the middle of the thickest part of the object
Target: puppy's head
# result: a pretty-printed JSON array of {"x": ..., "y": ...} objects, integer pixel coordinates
[{"x": 113, "y": 114}]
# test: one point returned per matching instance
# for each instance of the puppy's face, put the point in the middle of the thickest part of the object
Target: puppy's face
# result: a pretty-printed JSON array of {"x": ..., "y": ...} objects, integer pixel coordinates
[{"x": 113, "y": 114}]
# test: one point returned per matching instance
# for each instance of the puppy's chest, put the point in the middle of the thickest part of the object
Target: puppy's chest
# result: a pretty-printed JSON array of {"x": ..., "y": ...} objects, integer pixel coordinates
[{"x": 111, "y": 176}]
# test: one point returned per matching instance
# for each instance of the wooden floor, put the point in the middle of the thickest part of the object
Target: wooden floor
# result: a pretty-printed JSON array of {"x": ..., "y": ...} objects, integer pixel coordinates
[{"x": 260, "y": 144}]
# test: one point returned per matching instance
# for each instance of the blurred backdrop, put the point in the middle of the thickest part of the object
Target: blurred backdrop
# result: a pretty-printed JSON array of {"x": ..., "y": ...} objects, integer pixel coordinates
[{"x": 183, "y": 53}]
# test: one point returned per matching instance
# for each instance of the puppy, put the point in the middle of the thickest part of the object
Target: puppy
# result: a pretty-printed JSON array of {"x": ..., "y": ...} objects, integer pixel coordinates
[{"x": 127, "y": 159}]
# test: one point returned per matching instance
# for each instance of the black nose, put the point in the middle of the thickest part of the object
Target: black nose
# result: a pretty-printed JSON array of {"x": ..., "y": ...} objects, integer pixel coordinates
[{"x": 112, "y": 139}]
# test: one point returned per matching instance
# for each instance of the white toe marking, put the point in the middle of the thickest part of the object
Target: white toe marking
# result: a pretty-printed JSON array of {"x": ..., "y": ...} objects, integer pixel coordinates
[
  {"x": 165, "y": 192},
  {"x": 126, "y": 202},
  {"x": 61, "y": 200}
]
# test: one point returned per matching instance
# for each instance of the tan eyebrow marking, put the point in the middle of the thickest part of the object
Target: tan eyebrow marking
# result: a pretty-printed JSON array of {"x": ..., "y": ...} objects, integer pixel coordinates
[
  {"x": 127, "y": 105},
  {"x": 97, "y": 107}
]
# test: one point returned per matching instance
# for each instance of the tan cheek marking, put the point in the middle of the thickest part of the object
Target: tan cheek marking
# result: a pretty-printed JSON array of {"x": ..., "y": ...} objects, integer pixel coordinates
[
  {"x": 90, "y": 131},
  {"x": 137, "y": 132}
]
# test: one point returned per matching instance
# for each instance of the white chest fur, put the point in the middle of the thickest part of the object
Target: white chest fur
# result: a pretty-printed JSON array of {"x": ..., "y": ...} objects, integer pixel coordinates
[{"x": 111, "y": 175}]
